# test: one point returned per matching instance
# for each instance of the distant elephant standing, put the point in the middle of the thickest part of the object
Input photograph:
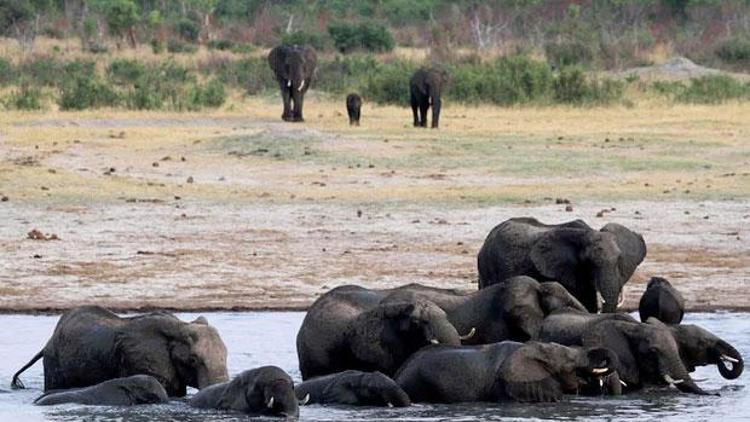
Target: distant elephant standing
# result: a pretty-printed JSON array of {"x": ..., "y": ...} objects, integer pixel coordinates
[
  {"x": 592, "y": 265},
  {"x": 661, "y": 301},
  {"x": 355, "y": 388},
  {"x": 294, "y": 67},
  {"x": 348, "y": 328},
  {"x": 426, "y": 86},
  {"x": 128, "y": 391},
  {"x": 91, "y": 344},
  {"x": 264, "y": 391},
  {"x": 353, "y": 108},
  {"x": 530, "y": 372}
]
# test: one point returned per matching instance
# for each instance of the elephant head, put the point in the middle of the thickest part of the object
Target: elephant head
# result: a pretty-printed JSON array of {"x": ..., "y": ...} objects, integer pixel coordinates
[
  {"x": 384, "y": 337},
  {"x": 293, "y": 65},
  {"x": 267, "y": 390},
  {"x": 699, "y": 347},
  {"x": 662, "y": 301},
  {"x": 554, "y": 297},
  {"x": 604, "y": 260},
  {"x": 178, "y": 354},
  {"x": 545, "y": 371},
  {"x": 647, "y": 353}
]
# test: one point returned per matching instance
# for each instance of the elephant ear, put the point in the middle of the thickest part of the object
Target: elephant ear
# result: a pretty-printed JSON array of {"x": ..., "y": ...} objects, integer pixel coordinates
[
  {"x": 614, "y": 335},
  {"x": 632, "y": 248},
  {"x": 143, "y": 351},
  {"x": 525, "y": 378},
  {"x": 553, "y": 297},
  {"x": 555, "y": 256}
]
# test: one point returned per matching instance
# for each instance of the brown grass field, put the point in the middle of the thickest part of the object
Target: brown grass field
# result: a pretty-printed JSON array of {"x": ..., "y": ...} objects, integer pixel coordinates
[{"x": 233, "y": 208}]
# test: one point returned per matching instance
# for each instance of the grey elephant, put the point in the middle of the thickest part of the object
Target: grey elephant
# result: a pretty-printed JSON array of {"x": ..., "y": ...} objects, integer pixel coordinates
[
  {"x": 127, "y": 391},
  {"x": 263, "y": 391},
  {"x": 530, "y": 372},
  {"x": 294, "y": 67},
  {"x": 426, "y": 86},
  {"x": 593, "y": 265},
  {"x": 647, "y": 352},
  {"x": 353, "y": 108},
  {"x": 91, "y": 344},
  {"x": 348, "y": 328},
  {"x": 355, "y": 388},
  {"x": 661, "y": 301}
]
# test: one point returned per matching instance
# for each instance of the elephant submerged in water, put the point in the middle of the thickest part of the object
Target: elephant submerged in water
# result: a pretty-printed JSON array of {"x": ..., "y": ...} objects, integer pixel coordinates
[
  {"x": 294, "y": 67},
  {"x": 354, "y": 388},
  {"x": 128, "y": 391},
  {"x": 593, "y": 265},
  {"x": 526, "y": 372},
  {"x": 264, "y": 391},
  {"x": 91, "y": 344},
  {"x": 348, "y": 328}
]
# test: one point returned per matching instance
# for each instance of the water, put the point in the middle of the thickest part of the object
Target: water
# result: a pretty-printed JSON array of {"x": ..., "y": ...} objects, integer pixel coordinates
[{"x": 268, "y": 338}]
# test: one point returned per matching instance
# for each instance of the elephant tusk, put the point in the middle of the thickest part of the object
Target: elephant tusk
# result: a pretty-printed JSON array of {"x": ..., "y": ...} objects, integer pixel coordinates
[
  {"x": 624, "y": 384},
  {"x": 469, "y": 335},
  {"x": 435, "y": 341},
  {"x": 389, "y": 404},
  {"x": 601, "y": 383},
  {"x": 671, "y": 380},
  {"x": 700, "y": 379},
  {"x": 305, "y": 399},
  {"x": 729, "y": 359},
  {"x": 289, "y": 84},
  {"x": 600, "y": 370},
  {"x": 621, "y": 299},
  {"x": 301, "y": 85},
  {"x": 270, "y": 403}
]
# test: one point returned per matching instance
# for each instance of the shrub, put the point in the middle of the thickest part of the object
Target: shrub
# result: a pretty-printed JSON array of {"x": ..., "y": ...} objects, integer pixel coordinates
[
  {"x": 734, "y": 51},
  {"x": 252, "y": 74},
  {"x": 7, "y": 72},
  {"x": 344, "y": 73},
  {"x": 713, "y": 89},
  {"x": 25, "y": 98},
  {"x": 43, "y": 71},
  {"x": 573, "y": 87},
  {"x": 211, "y": 94},
  {"x": 175, "y": 46},
  {"x": 188, "y": 30},
  {"x": 313, "y": 39},
  {"x": 562, "y": 54},
  {"x": 124, "y": 71},
  {"x": 220, "y": 45},
  {"x": 157, "y": 46},
  {"x": 242, "y": 48},
  {"x": 367, "y": 36},
  {"x": 389, "y": 84},
  {"x": 87, "y": 92}
]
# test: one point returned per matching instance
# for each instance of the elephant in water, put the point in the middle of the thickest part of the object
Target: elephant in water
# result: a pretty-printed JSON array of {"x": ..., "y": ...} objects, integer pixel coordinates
[
  {"x": 348, "y": 328},
  {"x": 294, "y": 67},
  {"x": 264, "y": 391},
  {"x": 426, "y": 86},
  {"x": 525, "y": 372},
  {"x": 91, "y": 344},
  {"x": 661, "y": 301},
  {"x": 128, "y": 391},
  {"x": 353, "y": 388},
  {"x": 592, "y": 265}
]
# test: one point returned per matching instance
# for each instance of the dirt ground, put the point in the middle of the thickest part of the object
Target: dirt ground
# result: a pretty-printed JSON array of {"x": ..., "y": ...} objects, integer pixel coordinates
[{"x": 236, "y": 210}]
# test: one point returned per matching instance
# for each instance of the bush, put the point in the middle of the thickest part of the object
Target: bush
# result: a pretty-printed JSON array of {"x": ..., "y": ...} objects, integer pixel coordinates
[
  {"x": 569, "y": 53},
  {"x": 25, "y": 98},
  {"x": 389, "y": 84},
  {"x": 313, "y": 39},
  {"x": 7, "y": 72},
  {"x": 713, "y": 89},
  {"x": 157, "y": 46},
  {"x": 188, "y": 30},
  {"x": 175, "y": 46},
  {"x": 242, "y": 48},
  {"x": 252, "y": 74},
  {"x": 220, "y": 45},
  {"x": 124, "y": 71},
  {"x": 344, "y": 73},
  {"x": 734, "y": 51},
  {"x": 87, "y": 92},
  {"x": 43, "y": 71},
  {"x": 573, "y": 87},
  {"x": 367, "y": 36},
  {"x": 211, "y": 94}
]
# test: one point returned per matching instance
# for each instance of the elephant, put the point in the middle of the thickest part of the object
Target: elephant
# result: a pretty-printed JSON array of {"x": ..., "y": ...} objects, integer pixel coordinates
[
  {"x": 661, "y": 301},
  {"x": 263, "y": 391},
  {"x": 647, "y": 352},
  {"x": 347, "y": 328},
  {"x": 505, "y": 371},
  {"x": 91, "y": 344},
  {"x": 127, "y": 391},
  {"x": 426, "y": 86},
  {"x": 353, "y": 108},
  {"x": 592, "y": 265},
  {"x": 355, "y": 388},
  {"x": 294, "y": 67}
]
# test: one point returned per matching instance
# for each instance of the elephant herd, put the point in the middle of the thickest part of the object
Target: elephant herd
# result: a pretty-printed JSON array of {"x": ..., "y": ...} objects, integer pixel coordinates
[
  {"x": 543, "y": 324},
  {"x": 294, "y": 67}
]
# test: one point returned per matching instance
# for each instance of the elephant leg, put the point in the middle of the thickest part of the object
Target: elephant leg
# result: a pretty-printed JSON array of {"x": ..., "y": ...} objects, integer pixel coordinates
[
  {"x": 423, "y": 113},
  {"x": 297, "y": 111},
  {"x": 285, "y": 97},
  {"x": 414, "y": 108},
  {"x": 435, "y": 112}
]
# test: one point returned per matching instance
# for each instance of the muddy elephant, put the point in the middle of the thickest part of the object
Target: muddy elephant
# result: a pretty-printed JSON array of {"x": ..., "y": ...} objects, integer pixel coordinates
[
  {"x": 127, "y": 391},
  {"x": 348, "y": 328},
  {"x": 264, "y": 391},
  {"x": 354, "y": 388},
  {"x": 426, "y": 86},
  {"x": 661, "y": 301},
  {"x": 593, "y": 265},
  {"x": 294, "y": 67},
  {"x": 647, "y": 353},
  {"x": 353, "y": 108},
  {"x": 91, "y": 344},
  {"x": 525, "y": 372}
]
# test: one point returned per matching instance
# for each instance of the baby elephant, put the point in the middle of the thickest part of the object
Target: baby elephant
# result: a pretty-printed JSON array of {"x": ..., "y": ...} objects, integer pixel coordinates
[
  {"x": 661, "y": 301},
  {"x": 264, "y": 391},
  {"x": 132, "y": 390},
  {"x": 530, "y": 372},
  {"x": 353, "y": 108},
  {"x": 354, "y": 388}
]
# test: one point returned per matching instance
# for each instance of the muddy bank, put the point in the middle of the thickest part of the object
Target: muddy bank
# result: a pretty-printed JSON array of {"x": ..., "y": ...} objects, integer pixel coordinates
[{"x": 254, "y": 256}]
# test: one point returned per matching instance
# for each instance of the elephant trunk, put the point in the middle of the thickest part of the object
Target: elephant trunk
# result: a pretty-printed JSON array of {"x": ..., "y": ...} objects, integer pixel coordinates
[
  {"x": 676, "y": 374},
  {"x": 728, "y": 360},
  {"x": 689, "y": 386},
  {"x": 607, "y": 284}
]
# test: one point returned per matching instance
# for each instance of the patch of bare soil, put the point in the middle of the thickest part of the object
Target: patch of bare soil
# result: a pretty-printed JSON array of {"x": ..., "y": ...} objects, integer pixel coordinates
[
  {"x": 679, "y": 68},
  {"x": 196, "y": 255}
]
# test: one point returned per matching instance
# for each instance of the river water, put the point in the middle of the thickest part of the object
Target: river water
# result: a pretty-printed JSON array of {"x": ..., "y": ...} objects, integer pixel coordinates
[{"x": 268, "y": 338}]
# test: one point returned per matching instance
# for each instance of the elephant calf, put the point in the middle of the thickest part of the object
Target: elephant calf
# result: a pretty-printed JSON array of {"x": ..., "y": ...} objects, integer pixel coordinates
[
  {"x": 264, "y": 391},
  {"x": 353, "y": 108},
  {"x": 661, "y": 301},
  {"x": 128, "y": 391},
  {"x": 354, "y": 388},
  {"x": 530, "y": 372}
]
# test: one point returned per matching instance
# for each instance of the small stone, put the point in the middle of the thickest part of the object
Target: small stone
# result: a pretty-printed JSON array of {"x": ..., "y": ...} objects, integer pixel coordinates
[
  {"x": 190, "y": 179},
  {"x": 154, "y": 164},
  {"x": 569, "y": 208},
  {"x": 359, "y": 213}
]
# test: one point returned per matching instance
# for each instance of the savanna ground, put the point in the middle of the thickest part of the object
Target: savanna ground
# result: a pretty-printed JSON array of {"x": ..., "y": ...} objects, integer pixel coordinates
[{"x": 236, "y": 209}]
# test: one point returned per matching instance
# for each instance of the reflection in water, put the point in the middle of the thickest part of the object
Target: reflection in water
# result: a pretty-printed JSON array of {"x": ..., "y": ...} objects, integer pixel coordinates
[{"x": 268, "y": 338}]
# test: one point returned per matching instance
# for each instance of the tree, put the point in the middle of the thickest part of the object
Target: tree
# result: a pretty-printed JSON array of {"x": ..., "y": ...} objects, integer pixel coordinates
[
  {"x": 121, "y": 16},
  {"x": 20, "y": 19}
]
